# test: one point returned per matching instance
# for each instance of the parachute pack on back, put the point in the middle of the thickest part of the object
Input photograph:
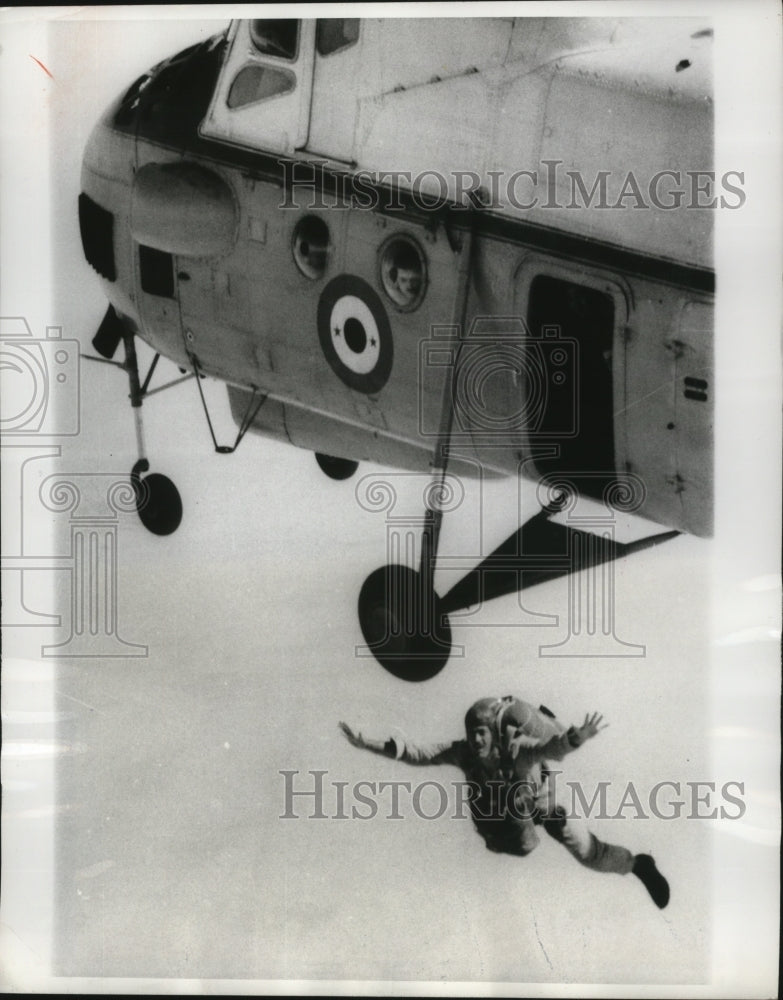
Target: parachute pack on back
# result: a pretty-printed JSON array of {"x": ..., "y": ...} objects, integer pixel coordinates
[{"x": 504, "y": 713}]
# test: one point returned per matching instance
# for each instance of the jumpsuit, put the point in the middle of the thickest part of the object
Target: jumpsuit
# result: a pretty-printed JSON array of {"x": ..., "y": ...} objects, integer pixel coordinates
[{"x": 514, "y": 796}]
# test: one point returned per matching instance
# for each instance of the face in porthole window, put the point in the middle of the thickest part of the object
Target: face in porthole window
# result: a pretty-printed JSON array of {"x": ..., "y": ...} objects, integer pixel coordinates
[
  {"x": 403, "y": 272},
  {"x": 279, "y": 38}
]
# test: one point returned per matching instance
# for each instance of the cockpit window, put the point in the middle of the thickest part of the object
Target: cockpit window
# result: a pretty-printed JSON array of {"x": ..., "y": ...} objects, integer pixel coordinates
[
  {"x": 335, "y": 33},
  {"x": 279, "y": 38},
  {"x": 258, "y": 83}
]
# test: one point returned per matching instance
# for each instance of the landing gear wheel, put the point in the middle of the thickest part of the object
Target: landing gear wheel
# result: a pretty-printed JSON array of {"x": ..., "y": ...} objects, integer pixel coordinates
[
  {"x": 336, "y": 468},
  {"x": 158, "y": 502},
  {"x": 402, "y": 623}
]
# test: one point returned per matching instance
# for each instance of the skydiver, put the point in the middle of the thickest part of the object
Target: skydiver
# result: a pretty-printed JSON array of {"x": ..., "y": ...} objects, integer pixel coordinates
[{"x": 505, "y": 760}]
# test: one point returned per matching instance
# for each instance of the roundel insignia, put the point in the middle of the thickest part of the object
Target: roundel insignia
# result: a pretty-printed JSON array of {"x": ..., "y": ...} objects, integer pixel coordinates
[{"x": 355, "y": 334}]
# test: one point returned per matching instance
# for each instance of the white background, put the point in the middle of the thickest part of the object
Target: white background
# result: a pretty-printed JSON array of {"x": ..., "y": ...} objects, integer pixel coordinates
[{"x": 169, "y": 861}]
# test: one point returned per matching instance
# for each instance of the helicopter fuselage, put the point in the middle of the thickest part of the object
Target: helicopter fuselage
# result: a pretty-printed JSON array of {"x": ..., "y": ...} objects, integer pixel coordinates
[{"x": 364, "y": 308}]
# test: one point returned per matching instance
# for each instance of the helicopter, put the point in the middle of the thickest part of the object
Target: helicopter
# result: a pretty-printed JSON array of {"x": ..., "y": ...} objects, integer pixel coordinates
[{"x": 441, "y": 245}]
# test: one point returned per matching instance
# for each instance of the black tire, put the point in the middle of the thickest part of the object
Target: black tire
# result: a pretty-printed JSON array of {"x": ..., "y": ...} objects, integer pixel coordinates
[
  {"x": 336, "y": 468},
  {"x": 158, "y": 504},
  {"x": 403, "y": 625}
]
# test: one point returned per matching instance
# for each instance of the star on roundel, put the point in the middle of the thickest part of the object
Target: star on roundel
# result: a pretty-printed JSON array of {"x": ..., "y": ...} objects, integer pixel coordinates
[{"x": 355, "y": 334}]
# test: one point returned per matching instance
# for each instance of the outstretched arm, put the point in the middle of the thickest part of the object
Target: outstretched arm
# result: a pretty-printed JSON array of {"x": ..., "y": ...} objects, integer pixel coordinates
[
  {"x": 356, "y": 739},
  {"x": 410, "y": 753},
  {"x": 558, "y": 746}
]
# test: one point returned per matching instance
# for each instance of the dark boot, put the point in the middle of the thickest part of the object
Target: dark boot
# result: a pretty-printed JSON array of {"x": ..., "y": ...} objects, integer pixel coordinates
[{"x": 645, "y": 870}]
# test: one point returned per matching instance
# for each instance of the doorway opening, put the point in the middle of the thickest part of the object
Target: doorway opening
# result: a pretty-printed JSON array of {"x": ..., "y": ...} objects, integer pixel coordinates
[{"x": 572, "y": 329}]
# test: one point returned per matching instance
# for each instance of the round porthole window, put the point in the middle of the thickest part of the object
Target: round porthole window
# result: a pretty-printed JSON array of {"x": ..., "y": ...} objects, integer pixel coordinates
[
  {"x": 311, "y": 246},
  {"x": 403, "y": 270}
]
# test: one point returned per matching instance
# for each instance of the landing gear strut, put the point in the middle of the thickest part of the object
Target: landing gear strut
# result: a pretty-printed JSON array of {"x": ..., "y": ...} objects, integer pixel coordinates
[
  {"x": 400, "y": 615},
  {"x": 158, "y": 502}
]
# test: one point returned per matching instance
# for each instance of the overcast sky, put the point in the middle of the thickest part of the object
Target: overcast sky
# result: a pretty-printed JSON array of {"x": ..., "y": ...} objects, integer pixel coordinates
[{"x": 170, "y": 859}]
